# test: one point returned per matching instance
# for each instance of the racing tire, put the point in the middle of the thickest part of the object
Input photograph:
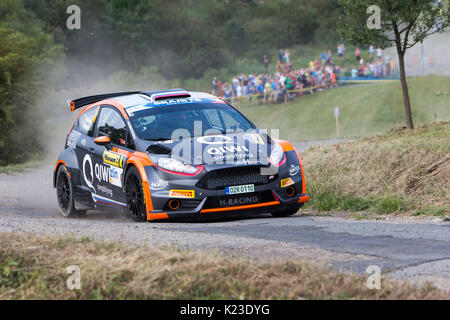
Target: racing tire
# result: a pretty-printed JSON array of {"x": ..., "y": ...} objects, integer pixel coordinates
[
  {"x": 134, "y": 195},
  {"x": 64, "y": 194},
  {"x": 288, "y": 212}
]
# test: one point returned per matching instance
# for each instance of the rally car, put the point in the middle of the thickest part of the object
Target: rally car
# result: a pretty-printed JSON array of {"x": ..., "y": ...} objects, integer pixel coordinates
[{"x": 173, "y": 154}]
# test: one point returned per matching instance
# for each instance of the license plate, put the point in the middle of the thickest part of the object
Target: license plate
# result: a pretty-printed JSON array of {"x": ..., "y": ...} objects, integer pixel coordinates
[{"x": 240, "y": 189}]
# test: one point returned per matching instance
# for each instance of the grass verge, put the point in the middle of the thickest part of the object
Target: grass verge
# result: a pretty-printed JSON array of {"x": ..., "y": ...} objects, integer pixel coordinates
[
  {"x": 34, "y": 267},
  {"x": 400, "y": 171}
]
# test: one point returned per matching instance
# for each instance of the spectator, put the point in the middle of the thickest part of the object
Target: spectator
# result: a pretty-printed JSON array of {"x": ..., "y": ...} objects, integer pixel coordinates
[
  {"x": 250, "y": 90},
  {"x": 316, "y": 64},
  {"x": 215, "y": 87},
  {"x": 245, "y": 82},
  {"x": 227, "y": 93},
  {"x": 358, "y": 54},
  {"x": 273, "y": 97},
  {"x": 267, "y": 91},
  {"x": 354, "y": 72},
  {"x": 289, "y": 82},
  {"x": 266, "y": 64},
  {"x": 371, "y": 51},
  {"x": 387, "y": 69},
  {"x": 239, "y": 92},
  {"x": 278, "y": 67},
  {"x": 333, "y": 79},
  {"x": 379, "y": 53},
  {"x": 329, "y": 55},
  {"x": 280, "y": 56},
  {"x": 286, "y": 57},
  {"x": 324, "y": 58},
  {"x": 220, "y": 88},
  {"x": 260, "y": 91},
  {"x": 340, "y": 49}
]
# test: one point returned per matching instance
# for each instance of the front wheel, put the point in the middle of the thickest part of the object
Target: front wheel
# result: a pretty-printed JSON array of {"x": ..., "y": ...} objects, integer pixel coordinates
[
  {"x": 288, "y": 212},
  {"x": 64, "y": 194},
  {"x": 135, "y": 195}
]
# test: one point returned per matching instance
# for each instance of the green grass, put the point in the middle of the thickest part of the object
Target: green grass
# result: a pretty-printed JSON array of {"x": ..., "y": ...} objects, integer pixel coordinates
[
  {"x": 384, "y": 205},
  {"x": 364, "y": 110}
]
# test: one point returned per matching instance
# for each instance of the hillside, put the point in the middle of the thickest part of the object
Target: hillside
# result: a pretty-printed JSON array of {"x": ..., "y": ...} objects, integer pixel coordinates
[
  {"x": 400, "y": 171},
  {"x": 365, "y": 110}
]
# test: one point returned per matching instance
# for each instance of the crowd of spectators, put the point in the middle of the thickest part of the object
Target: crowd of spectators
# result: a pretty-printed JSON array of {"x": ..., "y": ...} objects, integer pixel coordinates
[
  {"x": 288, "y": 82},
  {"x": 380, "y": 67}
]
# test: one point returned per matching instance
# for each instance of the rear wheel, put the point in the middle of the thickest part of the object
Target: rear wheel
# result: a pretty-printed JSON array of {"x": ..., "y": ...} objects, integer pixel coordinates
[
  {"x": 64, "y": 194},
  {"x": 135, "y": 195},
  {"x": 288, "y": 212}
]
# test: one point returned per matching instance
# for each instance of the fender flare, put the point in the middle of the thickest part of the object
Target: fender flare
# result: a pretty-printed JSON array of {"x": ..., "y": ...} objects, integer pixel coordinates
[
  {"x": 69, "y": 159},
  {"x": 287, "y": 146}
]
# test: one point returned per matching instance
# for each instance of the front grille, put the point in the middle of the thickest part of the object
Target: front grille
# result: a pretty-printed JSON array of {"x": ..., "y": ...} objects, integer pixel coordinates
[{"x": 219, "y": 179}]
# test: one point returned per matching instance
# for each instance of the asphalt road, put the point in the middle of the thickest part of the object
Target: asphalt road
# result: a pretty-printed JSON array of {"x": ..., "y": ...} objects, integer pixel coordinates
[{"x": 403, "y": 248}]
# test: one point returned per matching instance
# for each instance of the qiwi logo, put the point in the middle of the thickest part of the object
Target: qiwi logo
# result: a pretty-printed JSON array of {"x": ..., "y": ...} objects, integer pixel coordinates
[
  {"x": 221, "y": 140},
  {"x": 225, "y": 149},
  {"x": 102, "y": 173}
]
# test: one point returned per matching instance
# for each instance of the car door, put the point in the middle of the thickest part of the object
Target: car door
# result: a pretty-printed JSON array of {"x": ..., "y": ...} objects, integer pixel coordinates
[{"x": 109, "y": 165}]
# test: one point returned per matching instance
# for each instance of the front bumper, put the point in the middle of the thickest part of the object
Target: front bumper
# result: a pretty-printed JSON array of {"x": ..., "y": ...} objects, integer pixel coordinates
[
  {"x": 273, "y": 198},
  {"x": 260, "y": 208}
]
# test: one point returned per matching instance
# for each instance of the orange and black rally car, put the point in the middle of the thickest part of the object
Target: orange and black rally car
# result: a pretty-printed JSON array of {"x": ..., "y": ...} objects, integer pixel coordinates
[{"x": 173, "y": 154}]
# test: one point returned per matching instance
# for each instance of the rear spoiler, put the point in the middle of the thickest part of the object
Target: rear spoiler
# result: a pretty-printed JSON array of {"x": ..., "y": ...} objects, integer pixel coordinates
[
  {"x": 81, "y": 102},
  {"x": 154, "y": 95}
]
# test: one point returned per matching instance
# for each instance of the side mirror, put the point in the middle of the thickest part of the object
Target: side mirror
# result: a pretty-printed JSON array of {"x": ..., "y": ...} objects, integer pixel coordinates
[{"x": 102, "y": 141}]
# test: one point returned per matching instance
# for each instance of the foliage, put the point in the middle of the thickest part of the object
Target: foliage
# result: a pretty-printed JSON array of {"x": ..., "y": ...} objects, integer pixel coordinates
[
  {"x": 413, "y": 20},
  {"x": 23, "y": 48},
  {"x": 137, "y": 40},
  {"x": 402, "y": 23},
  {"x": 184, "y": 38}
]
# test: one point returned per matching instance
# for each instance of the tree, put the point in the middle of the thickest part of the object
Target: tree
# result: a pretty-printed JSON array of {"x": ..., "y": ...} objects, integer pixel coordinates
[
  {"x": 25, "y": 53},
  {"x": 403, "y": 23}
]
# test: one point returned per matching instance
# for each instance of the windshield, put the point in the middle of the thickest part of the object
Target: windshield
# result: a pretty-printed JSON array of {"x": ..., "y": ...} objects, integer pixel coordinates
[{"x": 197, "y": 119}]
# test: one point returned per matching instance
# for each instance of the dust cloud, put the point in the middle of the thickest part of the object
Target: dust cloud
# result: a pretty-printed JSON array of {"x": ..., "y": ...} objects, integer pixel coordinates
[{"x": 33, "y": 189}]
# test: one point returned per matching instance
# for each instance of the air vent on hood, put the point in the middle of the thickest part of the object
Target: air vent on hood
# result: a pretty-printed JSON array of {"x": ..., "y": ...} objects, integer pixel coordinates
[{"x": 159, "y": 149}]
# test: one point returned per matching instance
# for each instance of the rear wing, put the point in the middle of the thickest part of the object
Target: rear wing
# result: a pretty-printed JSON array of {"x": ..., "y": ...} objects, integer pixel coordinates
[
  {"x": 81, "y": 102},
  {"x": 154, "y": 95}
]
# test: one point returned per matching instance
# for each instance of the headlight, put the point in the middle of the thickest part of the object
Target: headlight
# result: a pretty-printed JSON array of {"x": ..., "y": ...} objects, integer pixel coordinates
[
  {"x": 277, "y": 155},
  {"x": 177, "y": 166}
]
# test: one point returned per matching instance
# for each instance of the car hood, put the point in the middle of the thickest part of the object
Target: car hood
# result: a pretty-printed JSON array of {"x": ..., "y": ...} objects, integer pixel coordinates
[{"x": 235, "y": 148}]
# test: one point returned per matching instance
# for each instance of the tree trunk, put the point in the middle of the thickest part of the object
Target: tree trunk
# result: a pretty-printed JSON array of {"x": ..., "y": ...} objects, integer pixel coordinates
[{"x": 406, "y": 102}]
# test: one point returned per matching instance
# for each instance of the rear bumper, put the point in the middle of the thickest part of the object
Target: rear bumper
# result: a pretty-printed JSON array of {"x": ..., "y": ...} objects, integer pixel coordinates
[{"x": 280, "y": 204}]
